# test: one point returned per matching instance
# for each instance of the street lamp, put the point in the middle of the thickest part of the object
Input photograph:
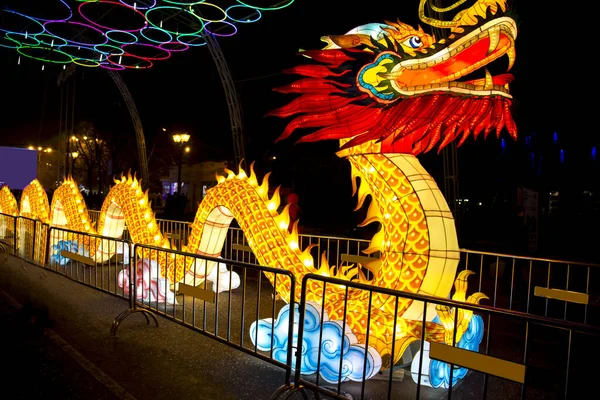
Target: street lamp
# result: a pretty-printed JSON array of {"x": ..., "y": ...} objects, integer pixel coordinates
[
  {"x": 181, "y": 140},
  {"x": 74, "y": 155}
]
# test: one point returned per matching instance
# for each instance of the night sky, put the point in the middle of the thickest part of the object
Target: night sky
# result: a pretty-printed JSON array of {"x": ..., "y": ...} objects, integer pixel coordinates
[
  {"x": 553, "y": 91},
  {"x": 186, "y": 88}
]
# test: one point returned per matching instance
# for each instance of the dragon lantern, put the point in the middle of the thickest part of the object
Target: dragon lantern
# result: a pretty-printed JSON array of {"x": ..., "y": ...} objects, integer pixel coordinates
[{"x": 387, "y": 92}]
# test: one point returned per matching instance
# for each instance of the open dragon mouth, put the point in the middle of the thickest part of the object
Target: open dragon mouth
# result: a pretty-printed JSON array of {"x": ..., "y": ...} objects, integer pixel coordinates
[
  {"x": 453, "y": 69},
  {"x": 395, "y": 87}
]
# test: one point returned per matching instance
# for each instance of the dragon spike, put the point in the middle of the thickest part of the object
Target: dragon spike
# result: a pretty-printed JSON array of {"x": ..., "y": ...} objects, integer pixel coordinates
[
  {"x": 363, "y": 191},
  {"x": 324, "y": 268},
  {"x": 373, "y": 215},
  {"x": 376, "y": 243},
  {"x": 293, "y": 239},
  {"x": 283, "y": 219},
  {"x": 220, "y": 178},
  {"x": 241, "y": 172},
  {"x": 307, "y": 258},
  {"x": 263, "y": 189},
  {"x": 273, "y": 203},
  {"x": 230, "y": 173},
  {"x": 362, "y": 278},
  {"x": 252, "y": 180}
]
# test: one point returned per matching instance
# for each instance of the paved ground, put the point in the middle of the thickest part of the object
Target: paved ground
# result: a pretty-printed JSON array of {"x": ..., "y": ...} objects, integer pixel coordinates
[{"x": 57, "y": 344}]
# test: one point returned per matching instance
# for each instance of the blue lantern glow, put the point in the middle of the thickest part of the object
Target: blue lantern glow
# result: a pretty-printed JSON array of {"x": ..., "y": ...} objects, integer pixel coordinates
[{"x": 332, "y": 347}]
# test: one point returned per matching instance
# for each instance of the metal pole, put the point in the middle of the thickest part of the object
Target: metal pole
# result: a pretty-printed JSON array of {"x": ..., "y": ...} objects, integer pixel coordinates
[{"x": 179, "y": 169}]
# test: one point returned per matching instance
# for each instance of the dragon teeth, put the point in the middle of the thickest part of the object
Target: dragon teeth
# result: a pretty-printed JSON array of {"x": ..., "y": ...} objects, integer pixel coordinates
[
  {"x": 494, "y": 34},
  {"x": 512, "y": 56},
  {"x": 489, "y": 82}
]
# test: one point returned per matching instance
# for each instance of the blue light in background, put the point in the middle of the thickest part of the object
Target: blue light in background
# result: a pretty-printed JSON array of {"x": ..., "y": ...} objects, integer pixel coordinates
[
  {"x": 528, "y": 141},
  {"x": 503, "y": 144},
  {"x": 594, "y": 153},
  {"x": 555, "y": 137},
  {"x": 532, "y": 159},
  {"x": 562, "y": 156}
]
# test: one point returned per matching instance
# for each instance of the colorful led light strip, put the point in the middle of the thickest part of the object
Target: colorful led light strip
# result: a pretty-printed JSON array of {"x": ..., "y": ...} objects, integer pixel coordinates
[
  {"x": 152, "y": 29},
  {"x": 111, "y": 67},
  {"x": 197, "y": 10},
  {"x": 82, "y": 53},
  {"x": 209, "y": 25},
  {"x": 158, "y": 26},
  {"x": 70, "y": 11},
  {"x": 50, "y": 50},
  {"x": 115, "y": 4},
  {"x": 23, "y": 40},
  {"x": 28, "y": 31},
  {"x": 113, "y": 32},
  {"x": 181, "y": 39},
  {"x": 74, "y": 26},
  {"x": 129, "y": 47},
  {"x": 165, "y": 46},
  {"x": 276, "y": 7},
  {"x": 184, "y": 3},
  {"x": 114, "y": 50},
  {"x": 241, "y": 7},
  {"x": 50, "y": 40},
  {"x": 119, "y": 61},
  {"x": 135, "y": 4},
  {"x": 79, "y": 24}
]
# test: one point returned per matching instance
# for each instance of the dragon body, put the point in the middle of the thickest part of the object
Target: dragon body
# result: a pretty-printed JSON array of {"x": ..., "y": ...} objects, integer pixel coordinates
[{"x": 387, "y": 92}]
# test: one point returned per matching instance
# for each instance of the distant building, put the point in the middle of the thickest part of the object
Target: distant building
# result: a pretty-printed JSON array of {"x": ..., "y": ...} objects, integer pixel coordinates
[{"x": 196, "y": 180}]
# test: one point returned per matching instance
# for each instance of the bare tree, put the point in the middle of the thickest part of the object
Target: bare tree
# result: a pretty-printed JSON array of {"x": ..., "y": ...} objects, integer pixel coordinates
[{"x": 92, "y": 151}]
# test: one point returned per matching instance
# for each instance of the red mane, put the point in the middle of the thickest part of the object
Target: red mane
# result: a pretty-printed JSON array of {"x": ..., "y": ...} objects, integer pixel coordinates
[{"x": 330, "y": 100}]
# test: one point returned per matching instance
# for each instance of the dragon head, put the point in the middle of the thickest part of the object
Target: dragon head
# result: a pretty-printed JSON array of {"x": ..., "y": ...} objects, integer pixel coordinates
[{"x": 399, "y": 87}]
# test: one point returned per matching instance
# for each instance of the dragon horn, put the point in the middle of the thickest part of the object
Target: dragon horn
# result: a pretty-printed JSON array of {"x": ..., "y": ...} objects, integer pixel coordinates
[{"x": 436, "y": 22}]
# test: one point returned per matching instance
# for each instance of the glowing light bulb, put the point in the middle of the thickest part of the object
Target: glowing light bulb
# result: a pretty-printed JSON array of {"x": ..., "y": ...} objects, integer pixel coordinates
[
  {"x": 142, "y": 202},
  {"x": 157, "y": 238},
  {"x": 308, "y": 262},
  {"x": 293, "y": 245},
  {"x": 271, "y": 206},
  {"x": 283, "y": 225}
]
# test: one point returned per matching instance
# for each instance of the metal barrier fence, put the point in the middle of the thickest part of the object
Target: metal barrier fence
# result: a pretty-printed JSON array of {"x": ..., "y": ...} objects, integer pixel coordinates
[
  {"x": 8, "y": 233},
  {"x": 30, "y": 240},
  {"x": 533, "y": 285},
  {"x": 513, "y": 338},
  {"x": 523, "y": 356},
  {"x": 565, "y": 290},
  {"x": 91, "y": 260},
  {"x": 223, "y": 306}
]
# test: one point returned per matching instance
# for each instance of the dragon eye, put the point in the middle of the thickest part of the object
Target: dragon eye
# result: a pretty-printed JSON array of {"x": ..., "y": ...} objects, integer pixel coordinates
[{"x": 414, "y": 42}]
